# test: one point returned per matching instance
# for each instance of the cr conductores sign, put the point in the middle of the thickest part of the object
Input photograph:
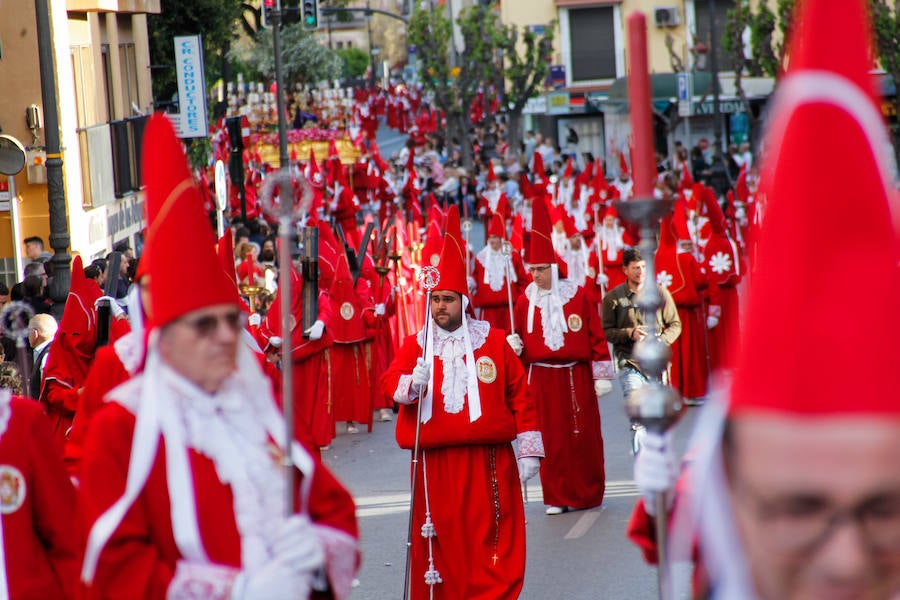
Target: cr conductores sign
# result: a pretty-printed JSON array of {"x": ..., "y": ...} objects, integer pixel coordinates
[{"x": 191, "y": 87}]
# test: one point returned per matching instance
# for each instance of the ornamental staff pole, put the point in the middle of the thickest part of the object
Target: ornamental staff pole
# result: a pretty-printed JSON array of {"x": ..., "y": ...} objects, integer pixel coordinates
[
  {"x": 429, "y": 277},
  {"x": 655, "y": 405}
]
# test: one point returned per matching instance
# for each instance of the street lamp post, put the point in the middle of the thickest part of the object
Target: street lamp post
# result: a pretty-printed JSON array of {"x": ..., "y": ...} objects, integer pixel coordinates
[{"x": 56, "y": 193}]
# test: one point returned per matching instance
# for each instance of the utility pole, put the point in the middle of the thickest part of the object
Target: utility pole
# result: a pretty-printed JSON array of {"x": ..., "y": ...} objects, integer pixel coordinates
[
  {"x": 371, "y": 47},
  {"x": 56, "y": 193}
]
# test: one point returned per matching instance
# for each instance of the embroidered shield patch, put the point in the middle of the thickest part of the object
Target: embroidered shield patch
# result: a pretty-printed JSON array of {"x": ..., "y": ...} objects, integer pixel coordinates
[
  {"x": 347, "y": 311},
  {"x": 12, "y": 489},
  {"x": 591, "y": 272},
  {"x": 486, "y": 369},
  {"x": 435, "y": 259},
  {"x": 574, "y": 322}
]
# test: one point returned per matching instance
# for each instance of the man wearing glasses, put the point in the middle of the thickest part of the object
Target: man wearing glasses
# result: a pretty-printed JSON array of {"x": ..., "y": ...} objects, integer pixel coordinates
[
  {"x": 183, "y": 479},
  {"x": 795, "y": 485},
  {"x": 560, "y": 341}
]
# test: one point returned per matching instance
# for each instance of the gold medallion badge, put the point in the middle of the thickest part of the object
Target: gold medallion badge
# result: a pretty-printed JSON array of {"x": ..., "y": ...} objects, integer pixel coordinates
[
  {"x": 347, "y": 311},
  {"x": 591, "y": 272},
  {"x": 574, "y": 322},
  {"x": 486, "y": 369},
  {"x": 12, "y": 489},
  {"x": 435, "y": 259}
]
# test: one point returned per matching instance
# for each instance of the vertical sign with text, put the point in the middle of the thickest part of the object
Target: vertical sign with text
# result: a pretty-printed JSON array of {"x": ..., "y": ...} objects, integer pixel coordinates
[{"x": 191, "y": 87}]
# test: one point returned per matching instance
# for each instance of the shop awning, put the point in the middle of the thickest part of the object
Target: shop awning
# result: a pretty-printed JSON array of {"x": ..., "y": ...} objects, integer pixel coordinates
[{"x": 663, "y": 87}]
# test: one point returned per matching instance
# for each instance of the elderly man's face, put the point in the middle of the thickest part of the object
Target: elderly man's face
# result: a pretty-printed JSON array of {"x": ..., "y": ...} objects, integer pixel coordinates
[
  {"x": 495, "y": 242},
  {"x": 817, "y": 503},
  {"x": 202, "y": 345}
]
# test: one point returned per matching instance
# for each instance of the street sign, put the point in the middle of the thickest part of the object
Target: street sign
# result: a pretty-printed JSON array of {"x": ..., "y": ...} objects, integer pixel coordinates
[
  {"x": 685, "y": 93},
  {"x": 221, "y": 185},
  {"x": 557, "y": 76},
  {"x": 191, "y": 87}
]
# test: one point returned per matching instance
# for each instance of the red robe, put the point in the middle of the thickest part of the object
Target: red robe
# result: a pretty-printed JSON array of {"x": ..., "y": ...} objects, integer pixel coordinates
[
  {"x": 139, "y": 561},
  {"x": 474, "y": 496},
  {"x": 682, "y": 275},
  {"x": 40, "y": 537},
  {"x": 351, "y": 359},
  {"x": 561, "y": 382},
  {"x": 113, "y": 365},
  {"x": 494, "y": 304},
  {"x": 723, "y": 264}
]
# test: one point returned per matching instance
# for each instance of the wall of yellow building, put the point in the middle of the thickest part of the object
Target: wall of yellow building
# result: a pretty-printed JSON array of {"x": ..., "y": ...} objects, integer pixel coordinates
[
  {"x": 20, "y": 75},
  {"x": 540, "y": 12}
]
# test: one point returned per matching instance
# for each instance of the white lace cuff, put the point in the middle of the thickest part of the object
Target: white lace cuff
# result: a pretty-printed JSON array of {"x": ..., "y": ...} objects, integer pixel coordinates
[
  {"x": 341, "y": 552},
  {"x": 530, "y": 444},
  {"x": 602, "y": 369},
  {"x": 197, "y": 581},
  {"x": 715, "y": 311},
  {"x": 404, "y": 393}
]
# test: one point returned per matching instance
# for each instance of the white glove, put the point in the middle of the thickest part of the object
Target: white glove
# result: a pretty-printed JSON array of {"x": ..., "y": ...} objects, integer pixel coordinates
[
  {"x": 515, "y": 342},
  {"x": 421, "y": 375},
  {"x": 528, "y": 467},
  {"x": 315, "y": 331},
  {"x": 602, "y": 387},
  {"x": 254, "y": 320},
  {"x": 655, "y": 469},
  {"x": 379, "y": 309},
  {"x": 275, "y": 341},
  {"x": 114, "y": 308},
  {"x": 472, "y": 284},
  {"x": 711, "y": 321},
  {"x": 602, "y": 279},
  {"x": 296, "y": 554}
]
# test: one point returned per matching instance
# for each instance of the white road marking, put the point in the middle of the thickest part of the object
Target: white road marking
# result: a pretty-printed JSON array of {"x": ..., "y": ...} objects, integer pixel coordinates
[
  {"x": 583, "y": 524},
  {"x": 390, "y": 504}
]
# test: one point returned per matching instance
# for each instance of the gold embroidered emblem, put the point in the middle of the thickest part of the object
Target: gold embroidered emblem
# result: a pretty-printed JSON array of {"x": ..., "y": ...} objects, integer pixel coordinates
[
  {"x": 574, "y": 322},
  {"x": 12, "y": 489},
  {"x": 347, "y": 311},
  {"x": 435, "y": 259},
  {"x": 486, "y": 369},
  {"x": 591, "y": 272}
]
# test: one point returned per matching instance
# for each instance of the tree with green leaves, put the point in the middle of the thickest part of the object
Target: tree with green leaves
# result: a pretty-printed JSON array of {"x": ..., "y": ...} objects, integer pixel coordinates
[
  {"x": 886, "y": 23},
  {"x": 430, "y": 29},
  {"x": 214, "y": 20},
  {"x": 525, "y": 73},
  {"x": 304, "y": 59},
  {"x": 356, "y": 61},
  {"x": 493, "y": 53}
]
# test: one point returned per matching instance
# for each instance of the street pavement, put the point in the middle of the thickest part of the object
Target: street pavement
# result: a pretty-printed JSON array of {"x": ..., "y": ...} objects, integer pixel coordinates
[
  {"x": 574, "y": 556},
  {"x": 581, "y": 555}
]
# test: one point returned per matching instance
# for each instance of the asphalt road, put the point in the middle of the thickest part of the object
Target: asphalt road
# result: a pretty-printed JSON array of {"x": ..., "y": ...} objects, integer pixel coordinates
[{"x": 574, "y": 556}]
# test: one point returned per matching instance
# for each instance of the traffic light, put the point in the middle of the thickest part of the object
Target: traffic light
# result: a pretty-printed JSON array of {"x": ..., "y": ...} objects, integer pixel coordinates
[
  {"x": 264, "y": 13},
  {"x": 310, "y": 14}
]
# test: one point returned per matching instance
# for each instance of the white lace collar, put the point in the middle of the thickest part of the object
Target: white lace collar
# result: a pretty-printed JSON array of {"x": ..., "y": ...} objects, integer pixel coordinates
[
  {"x": 493, "y": 198},
  {"x": 456, "y": 351},
  {"x": 553, "y": 317},
  {"x": 495, "y": 268}
]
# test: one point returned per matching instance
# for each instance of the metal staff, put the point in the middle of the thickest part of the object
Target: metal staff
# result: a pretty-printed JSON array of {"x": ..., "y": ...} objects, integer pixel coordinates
[
  {"x": 466, "y": 228},
  {"x": 429, "y": 277},
  {"x": 506, "y": 248},
  {"x": 287, "y": 210},
  {"x": 14, "y": 319},
  {"x": 655, "y": 405}
]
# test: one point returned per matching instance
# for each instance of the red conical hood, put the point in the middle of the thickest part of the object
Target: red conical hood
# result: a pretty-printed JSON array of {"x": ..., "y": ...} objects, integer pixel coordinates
[
  {"x": 809, "y": 243},
  {"x": 491, "y": 176},
  {"x": 541, "y": 251},
  {"x": 497, "y": 227},
  {"x": 181, "y": 221},
  {"x": 452, "y": 265}
]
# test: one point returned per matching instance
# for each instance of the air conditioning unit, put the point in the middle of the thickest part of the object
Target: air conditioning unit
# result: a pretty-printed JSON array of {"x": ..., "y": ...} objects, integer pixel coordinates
[{"x": 666, "y": 16}]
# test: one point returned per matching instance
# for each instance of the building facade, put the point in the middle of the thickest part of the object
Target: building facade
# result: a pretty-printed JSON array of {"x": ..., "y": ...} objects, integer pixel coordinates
[{"x": 102, "y": 79}]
